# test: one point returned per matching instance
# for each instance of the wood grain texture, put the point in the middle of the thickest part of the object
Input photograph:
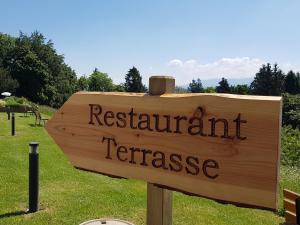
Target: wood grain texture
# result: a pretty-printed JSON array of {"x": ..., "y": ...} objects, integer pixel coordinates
[
  {"x": 290, "y": 206},
  {"x": 247, "y": 169},
  {"x": 290, "y": 218},
  {"x": 291, "y": 195},
  {"x": 159, "y": 85},
  {"x": 159, "y": 205}
]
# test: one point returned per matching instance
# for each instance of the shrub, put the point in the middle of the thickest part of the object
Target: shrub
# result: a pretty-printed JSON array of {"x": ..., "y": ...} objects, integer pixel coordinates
[
  {"x": 11, "y": 102},
  {"x": 290, "y": 147},
  {"x": 2, "y": 103},
  {"x": 291, "y": 110},
  {"x": 16, "y": 101}
]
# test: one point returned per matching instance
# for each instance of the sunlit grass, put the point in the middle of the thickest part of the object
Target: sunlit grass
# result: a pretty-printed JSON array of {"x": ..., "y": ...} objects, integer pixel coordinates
[{"x": 70, "y": 196}]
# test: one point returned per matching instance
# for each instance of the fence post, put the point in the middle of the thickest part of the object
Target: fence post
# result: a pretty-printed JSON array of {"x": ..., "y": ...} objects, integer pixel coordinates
[
  {"x": 159, "y": 200},
  {"x": 13, "y": 124},
  {"x": 33, "y": 177}
]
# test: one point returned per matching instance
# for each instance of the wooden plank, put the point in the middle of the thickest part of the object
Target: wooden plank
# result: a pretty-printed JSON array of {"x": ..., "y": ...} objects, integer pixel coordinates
[
  {"x": 290, "y": 218},
  {"x": 291, "y": 195},
  {"x": 290, "y": 198},
  {"x": 289, "y": 205},
  {"x": 159, "y": 200},
  {"x": 234, "y": 159}
]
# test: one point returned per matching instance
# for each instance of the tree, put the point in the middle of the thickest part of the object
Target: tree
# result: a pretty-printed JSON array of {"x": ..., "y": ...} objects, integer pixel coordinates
[
  {"x": 119, "y": 87},
  {"x": 268, "y": 81},
  {"x": 82, "y": 83},
  {"x": 195, "y": 86},
  {"x": 291, "y": 110},
  {"x": 7, "y": 43},
  {"x": 292, "y": 83},
  {"x": 240, "y": 89},
  {"x": 133, "y": 81},
  {"x": 65, "y": 86},
  {"x": 223, "y": 86},
  {"x": 7, "y": 83},
  {"x": 42, "y": 75},
  {"x": 99, "y": 81},
  {"x": 210, "y": 90}
]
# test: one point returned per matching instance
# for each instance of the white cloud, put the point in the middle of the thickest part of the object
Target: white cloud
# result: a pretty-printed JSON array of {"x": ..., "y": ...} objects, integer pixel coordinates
[{"x": 231, "y": 68}]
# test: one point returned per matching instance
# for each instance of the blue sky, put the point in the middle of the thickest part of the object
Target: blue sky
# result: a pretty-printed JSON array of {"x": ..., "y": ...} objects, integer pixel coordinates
[{"x": 186, "y": 39}]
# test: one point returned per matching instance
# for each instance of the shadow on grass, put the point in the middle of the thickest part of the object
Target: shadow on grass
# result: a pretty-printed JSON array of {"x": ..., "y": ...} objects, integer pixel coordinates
[{"x": 11, "y": 214}]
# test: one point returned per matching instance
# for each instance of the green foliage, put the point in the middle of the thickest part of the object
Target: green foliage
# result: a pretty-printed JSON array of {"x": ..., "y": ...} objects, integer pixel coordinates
[
  {"x": 7, "y": 44},
  {"x": 42, "y": 75},
  {"x": 292, "y": 83},
  {"x": 223, "y": 86},
  {"x": 290, "y": 147},
  {"x": 70, "y": 196},
  {"x": 119, "y": 88},
  {"x": 99, "y": 81},
  {"x": 7, "y": 83},
  {"x": 268, "y": 81},
  {"x": 240, "y": 89},
  {"x": 291, "y": 110},
  {"x": 195, "y": 86},
  {"x": 12, "y": 102},
  {"x": 2, "y": 103},
  {"x": 83, "y": 84},
  {"x": 133, "y": 81},
  {"x": 210, "y": 90},
  {"x": 16, "y": 101}
]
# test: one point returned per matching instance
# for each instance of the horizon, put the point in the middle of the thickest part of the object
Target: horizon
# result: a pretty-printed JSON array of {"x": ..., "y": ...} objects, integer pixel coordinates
[{"x": 187, "y": 40}]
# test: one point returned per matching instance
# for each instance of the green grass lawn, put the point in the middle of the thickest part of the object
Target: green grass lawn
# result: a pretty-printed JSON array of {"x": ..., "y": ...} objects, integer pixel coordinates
[{"x": 70, "y": 196}]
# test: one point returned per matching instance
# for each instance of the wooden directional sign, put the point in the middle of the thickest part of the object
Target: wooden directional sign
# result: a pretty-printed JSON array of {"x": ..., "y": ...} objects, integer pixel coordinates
[{"x": 219, "y": 146}]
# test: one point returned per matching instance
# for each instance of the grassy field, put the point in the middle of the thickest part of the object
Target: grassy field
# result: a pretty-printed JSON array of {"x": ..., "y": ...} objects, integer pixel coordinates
[{"x": 70, "y": 196}]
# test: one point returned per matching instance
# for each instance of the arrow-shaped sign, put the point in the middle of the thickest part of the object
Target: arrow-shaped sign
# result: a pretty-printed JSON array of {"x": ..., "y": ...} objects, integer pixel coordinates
[{"x": 223, "y": 147}]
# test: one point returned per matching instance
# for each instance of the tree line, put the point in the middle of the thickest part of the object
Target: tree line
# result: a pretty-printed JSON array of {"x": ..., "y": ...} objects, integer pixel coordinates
[
  {"x": 268, "y": 81},
  {"x": 31, "y": 67},
  {"x": 99, "y": 81}
]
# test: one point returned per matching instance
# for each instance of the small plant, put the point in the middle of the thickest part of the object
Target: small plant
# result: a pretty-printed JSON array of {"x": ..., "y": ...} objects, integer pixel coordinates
[
  {"x": 16, "y": 101},
  {"x": 2, "y": 103}
]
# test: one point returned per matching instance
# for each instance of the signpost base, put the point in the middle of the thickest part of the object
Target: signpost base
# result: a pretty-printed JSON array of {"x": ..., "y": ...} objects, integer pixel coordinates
[{"x": 159, "y": 205}]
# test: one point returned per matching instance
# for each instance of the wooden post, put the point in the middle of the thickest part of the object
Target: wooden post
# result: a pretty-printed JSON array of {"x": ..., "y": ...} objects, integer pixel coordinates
[{"x": 159, "y": 200}]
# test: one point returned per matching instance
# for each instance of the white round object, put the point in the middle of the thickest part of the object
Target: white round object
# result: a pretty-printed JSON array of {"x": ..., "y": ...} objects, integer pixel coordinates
[
  {"x": 106, "y": 222},
  {"x": 6, "y": 94}
]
